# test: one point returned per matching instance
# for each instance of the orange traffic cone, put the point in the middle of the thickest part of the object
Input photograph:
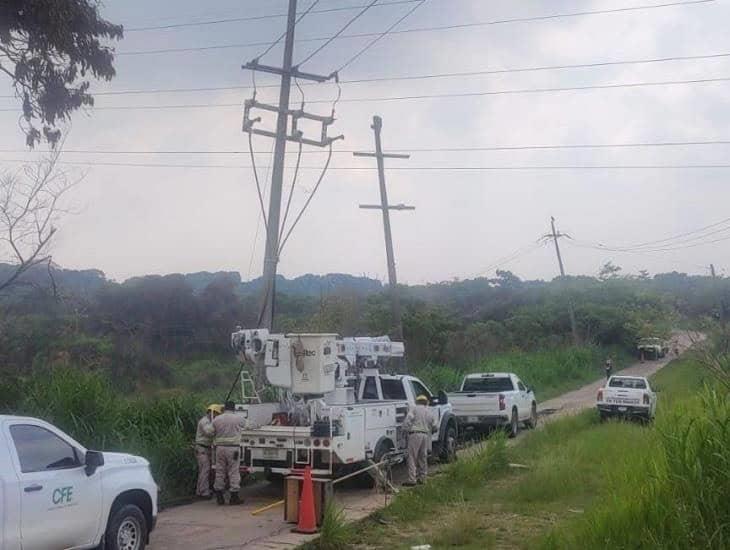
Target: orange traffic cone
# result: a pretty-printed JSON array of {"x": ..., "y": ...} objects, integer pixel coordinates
[{"x": 307, "y": 517}]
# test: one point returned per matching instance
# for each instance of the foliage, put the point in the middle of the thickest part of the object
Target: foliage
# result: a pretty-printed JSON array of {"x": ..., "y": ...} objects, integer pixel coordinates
[
  {"x": 87, "y": 407},
  {"x": 50, "y": 46},
  {"x": 548, "y": 372}
]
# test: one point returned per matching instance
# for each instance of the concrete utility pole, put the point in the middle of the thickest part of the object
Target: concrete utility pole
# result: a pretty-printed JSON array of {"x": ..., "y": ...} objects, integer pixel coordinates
[
  {"x": 281, "y": 135},
  {"x": 571, "y": 312},
  {"x": 377, "y": 127}
]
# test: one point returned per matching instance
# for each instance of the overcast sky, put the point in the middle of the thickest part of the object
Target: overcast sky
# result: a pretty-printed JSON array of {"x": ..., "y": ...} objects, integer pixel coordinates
[{"x": 142, "y": 220}]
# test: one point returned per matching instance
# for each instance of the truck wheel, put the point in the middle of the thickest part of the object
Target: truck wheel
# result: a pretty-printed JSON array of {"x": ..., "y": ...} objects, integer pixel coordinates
[
  {"x": 127, "y": 529},
  {"x": 532, "y": 422},
  {"x": 447, "y": 452},
  {"x": 514, "y": 425}
]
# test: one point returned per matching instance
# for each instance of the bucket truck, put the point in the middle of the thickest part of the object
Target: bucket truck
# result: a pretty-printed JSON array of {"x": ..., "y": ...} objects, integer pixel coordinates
[{"x": 337, "y": 410}]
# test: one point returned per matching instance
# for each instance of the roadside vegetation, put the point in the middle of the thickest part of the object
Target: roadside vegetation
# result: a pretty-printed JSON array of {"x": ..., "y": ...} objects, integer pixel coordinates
[
  {"x": 578, "y": 483},
  {"x": 131, "y": 366}
]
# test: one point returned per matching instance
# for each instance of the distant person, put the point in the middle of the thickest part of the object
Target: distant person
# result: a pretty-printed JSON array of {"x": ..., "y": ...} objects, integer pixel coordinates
[
  {"x": 227, "y": 440},
  {"x": 608, "y": 368},
  {"x": 204, "y": 449},
  {"x": 419, "y": 425}
]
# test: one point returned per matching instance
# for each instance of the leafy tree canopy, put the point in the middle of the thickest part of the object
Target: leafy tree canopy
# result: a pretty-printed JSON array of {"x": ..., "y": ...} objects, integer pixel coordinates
[{"x": 49, "y": 47}]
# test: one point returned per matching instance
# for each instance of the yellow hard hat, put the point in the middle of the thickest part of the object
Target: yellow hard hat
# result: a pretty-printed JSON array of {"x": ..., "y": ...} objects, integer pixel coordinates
[
  {"x": 421, "y": 399},
  {"x": 217, "y": 409}
]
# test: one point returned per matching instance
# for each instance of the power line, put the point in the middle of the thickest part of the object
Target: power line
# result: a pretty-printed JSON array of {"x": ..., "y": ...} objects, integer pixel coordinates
[
  {"x": 283, "y": 35},
  {"x": 423, "y": 96},
  {"x": 339, "y": 33},
  {"x": 375, "y": 40},
  {"x": 396, "y": 149},
  {"x": 664, "y": 244},
  {"x": 425, "y": 29},
  {"x": 408, "y": 168},
  {"x": 665, "y": 249},
  {"x": 428, "y": 76},
  {"x": 253, "y": 18}
]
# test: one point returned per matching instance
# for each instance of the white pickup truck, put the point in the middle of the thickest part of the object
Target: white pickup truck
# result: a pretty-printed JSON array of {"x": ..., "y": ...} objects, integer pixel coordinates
[
  {"x": 55, "y": 494},
  {"x": 626, "y": 396},
  {"x": 491, "y": 399}
]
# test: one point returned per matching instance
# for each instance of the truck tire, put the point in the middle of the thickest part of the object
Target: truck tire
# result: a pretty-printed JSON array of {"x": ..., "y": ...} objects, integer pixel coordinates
[
  {"x": 127, "y": 529},
  {"x": 447, "y": 448},
  {"x": 532, "y": 422},
  {"x": 514, "y": 426}
]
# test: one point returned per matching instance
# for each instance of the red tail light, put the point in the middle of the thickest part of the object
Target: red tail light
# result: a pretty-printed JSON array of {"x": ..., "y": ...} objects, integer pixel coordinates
[
  {"x": 600, "y": 395},
  {"x": 646, "y": 399},
  {"x": 316, "y": 442},
  {"x": 326, "y": 442},
  {"x": 502, "y": 406}
]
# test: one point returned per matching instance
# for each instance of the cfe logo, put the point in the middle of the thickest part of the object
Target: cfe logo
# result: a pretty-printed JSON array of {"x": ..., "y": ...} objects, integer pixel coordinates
[{"x": 62, "y": 495}]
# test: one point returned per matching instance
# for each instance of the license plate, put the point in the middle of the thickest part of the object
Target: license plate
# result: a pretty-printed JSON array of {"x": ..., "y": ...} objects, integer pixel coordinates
[
  {"x": 271, "y": 453},
  {"x": 622, "y": 409},
  {"x": 472, "y": 419}
]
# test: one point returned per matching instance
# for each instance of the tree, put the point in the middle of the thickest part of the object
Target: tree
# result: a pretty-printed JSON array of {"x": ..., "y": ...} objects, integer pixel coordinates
[
  {"x": 49, "y": 46},
  {"x": 29, "y": 207},
  {"x": 609, "y": 271}
]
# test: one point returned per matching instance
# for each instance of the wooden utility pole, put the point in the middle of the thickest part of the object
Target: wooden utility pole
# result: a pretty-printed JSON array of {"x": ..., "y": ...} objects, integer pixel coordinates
[
  {"x": 571, "y": 311},
  {"x": 283, "y": 117},
  {"x": 377, "y": 127}
]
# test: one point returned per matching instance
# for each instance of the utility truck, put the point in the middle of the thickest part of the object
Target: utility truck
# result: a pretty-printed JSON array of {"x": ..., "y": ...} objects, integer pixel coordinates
[
  {"x": 652, "y": 348},
  {"x": 56, "y": 494},
  {"x": 337, "y": 411},
  {"x": 626, "y": 396},
  {"x": 494, "y": 399}
]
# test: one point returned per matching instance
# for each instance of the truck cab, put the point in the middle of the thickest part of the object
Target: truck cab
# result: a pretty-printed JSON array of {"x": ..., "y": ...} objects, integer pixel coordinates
[
  {"x": 376, "y": 387},
  {"x": 54, "y": 493}
]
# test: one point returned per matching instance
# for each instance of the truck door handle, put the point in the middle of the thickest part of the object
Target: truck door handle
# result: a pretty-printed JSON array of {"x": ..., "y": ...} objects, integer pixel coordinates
[{"x": 33, "y": 488}]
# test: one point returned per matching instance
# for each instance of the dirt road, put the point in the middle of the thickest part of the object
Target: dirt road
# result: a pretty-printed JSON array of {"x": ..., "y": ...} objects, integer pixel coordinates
[{"x": 205, "y": 526}]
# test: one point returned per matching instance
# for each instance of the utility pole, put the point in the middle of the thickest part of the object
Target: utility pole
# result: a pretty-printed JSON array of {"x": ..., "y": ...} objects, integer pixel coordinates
[
  {"x": 377, "y": 127},
  {"x": 712, "y": 271},
  {"x": 281, "y": 136},
  {"x": 571, "y": 312}
]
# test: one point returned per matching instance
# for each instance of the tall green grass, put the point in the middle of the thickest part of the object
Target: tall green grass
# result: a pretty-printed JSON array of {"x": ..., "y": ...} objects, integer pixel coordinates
[
  {"x": 92, "y": 411},
  {"x": 677, "y": 497},
  {"x": 549, "y": 372}
]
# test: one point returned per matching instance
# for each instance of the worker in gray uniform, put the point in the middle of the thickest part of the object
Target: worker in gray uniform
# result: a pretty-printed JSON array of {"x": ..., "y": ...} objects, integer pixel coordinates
[
  {"x": 227, "y": 440},
  {"x": 419, "y": 425},
  {"x": 203, "y": 450}
]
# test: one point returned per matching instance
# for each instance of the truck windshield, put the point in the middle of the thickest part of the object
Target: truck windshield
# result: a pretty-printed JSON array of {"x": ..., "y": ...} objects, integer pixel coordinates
[
  {"x": 488, "y": 385},
  {"x": 631, "y": 383}
]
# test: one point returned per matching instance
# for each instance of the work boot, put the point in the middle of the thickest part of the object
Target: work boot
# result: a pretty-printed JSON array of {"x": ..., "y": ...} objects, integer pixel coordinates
[
  {"x": 408, "y": 484},
  {"x": 234, "y": 499},
  {"x": 219, "y": 498}
]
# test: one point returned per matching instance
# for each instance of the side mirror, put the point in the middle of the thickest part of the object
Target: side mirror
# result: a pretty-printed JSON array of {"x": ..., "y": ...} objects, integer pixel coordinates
[
  {"x": 92, "y": 461},
  {"x": 434, "y": 401},
  {"x": 443, "y": 398}
]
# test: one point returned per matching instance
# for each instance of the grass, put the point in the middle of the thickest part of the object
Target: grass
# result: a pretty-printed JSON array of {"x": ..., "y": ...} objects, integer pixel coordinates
[
  {"x": 587, "y": 484},
  {"x": 549, "y": 373},
  {"x": 92, "y": 411}
]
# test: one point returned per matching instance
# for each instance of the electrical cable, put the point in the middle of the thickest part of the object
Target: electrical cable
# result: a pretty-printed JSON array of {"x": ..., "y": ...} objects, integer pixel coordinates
[
  {"x": 258, "y": 218},
  {"x": 423, "y": 29},
  {"x": 251, "y": 18},
  {"x": 291, "y": 189},
  {"x": 283, "y": 35},
  {"x": 668, "y": 245},
  {"x": 338, "y": 33},
  {"x": 429, "y": 76},
  {"x": 381, "y": 35},
  {"x": 423, "y": 96},
  {"x": 408, "y": 168},
  {"x": 258, "y": 185},
  {"x": 510, "y": 258},
  {"x": 309, "y": 199},
  {"x": 399, "y": 149}
]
